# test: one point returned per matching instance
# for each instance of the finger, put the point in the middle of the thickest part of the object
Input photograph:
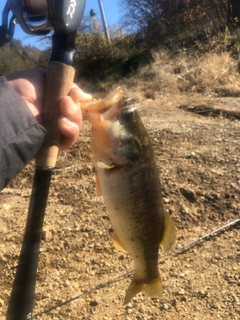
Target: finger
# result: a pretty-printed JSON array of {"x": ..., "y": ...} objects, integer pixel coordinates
[
  {"x": 70, "y": 110},
  {"x": 69, "y": 131},
  {"x": 78, "y": 95}
]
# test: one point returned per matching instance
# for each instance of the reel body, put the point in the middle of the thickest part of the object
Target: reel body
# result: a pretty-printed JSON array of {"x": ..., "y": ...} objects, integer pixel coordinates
[{"x": 39, "y": 17}]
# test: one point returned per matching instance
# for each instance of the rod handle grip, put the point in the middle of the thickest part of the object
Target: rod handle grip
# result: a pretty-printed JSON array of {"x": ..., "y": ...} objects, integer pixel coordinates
[{"x": 58, "y": 83}]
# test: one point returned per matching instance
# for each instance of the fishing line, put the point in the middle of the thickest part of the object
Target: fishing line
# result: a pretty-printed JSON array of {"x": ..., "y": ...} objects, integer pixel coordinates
[{"x": 179, "y": 250}]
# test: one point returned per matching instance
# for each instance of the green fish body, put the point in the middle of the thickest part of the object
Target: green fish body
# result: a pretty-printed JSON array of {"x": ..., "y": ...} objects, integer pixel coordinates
[{"x": 127, "y": 177}]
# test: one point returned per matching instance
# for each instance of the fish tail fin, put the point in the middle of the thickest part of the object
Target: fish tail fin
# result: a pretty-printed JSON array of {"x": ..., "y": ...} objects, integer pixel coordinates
[
  {"x": 169, "y": 235},
  {"x": 151, "y": 289}
]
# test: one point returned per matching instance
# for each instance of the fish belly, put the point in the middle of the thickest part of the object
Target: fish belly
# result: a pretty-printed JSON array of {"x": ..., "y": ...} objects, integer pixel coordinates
[{"x": 134, "y": 205}]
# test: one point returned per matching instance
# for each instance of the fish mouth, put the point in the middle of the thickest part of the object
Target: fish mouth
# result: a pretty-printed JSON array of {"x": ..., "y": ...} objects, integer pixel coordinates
[
  {"x": 123, "y": 104},
  {"x": 112, "y": 112},
  {"x": 110, "y": 107}
]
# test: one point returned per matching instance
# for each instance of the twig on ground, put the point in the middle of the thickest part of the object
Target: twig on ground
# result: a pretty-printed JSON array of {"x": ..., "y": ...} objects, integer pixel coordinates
[{"x": 180, "y": 250}]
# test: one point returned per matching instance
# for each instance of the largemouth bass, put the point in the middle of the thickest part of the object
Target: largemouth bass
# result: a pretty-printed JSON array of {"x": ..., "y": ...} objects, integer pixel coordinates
[{"x": 127, "y": 177}]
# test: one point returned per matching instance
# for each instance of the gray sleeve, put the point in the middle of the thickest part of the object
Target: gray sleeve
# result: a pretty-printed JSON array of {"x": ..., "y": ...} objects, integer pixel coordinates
[{"x": 20, "y": 134}]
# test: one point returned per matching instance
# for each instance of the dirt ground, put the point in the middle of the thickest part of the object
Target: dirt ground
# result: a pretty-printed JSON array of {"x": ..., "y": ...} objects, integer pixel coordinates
[{"x": 197, "y": 145}]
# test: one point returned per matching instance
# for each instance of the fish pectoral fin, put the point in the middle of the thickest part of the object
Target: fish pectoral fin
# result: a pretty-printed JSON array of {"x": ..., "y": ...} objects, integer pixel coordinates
[
  {"x": 117, "y": 243},
  {"x": 169, "y": 235},
  {"x": 103, "y": 165},
  {"x": 151, "y": 289}
]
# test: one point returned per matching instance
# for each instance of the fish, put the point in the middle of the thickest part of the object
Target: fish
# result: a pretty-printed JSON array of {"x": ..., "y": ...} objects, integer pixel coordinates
[{"x": 127, "y": 178}]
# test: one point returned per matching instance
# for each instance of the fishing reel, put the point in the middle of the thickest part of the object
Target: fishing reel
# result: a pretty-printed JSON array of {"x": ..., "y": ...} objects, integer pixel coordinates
[{"x": 39, "y": 17}]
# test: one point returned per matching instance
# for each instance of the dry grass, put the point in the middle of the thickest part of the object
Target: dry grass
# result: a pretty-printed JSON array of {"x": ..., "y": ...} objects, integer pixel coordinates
[{"x": 183, "y": 73}]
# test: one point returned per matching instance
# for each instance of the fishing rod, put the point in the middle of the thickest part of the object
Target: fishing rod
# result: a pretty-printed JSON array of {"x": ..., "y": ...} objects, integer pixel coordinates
[{"x": 39, "y": 17}]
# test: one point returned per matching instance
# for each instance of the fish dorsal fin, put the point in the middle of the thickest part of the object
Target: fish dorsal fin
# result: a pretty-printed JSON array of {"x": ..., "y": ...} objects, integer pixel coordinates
[
  {"x": 103, "y": 165},
  {"x": 169, "y": 235}
]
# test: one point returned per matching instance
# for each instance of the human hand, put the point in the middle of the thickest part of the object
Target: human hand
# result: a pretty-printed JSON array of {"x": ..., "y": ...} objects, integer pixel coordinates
[{"x": 29, "y": 84}]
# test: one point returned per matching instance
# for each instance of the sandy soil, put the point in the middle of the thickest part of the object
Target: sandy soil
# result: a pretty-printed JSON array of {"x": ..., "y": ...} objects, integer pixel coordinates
[{"x": 197, "y": 145}]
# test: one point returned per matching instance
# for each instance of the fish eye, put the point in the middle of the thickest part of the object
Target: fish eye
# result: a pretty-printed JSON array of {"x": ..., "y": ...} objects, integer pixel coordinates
[{"x": 129, "y": 111}]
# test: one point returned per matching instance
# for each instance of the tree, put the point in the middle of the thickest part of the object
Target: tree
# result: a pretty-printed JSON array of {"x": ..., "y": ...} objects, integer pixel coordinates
[
  {"x": 170, "y": 18},
  {"x": 234, "y": 12},
  {"x": 13, "y": 57}
]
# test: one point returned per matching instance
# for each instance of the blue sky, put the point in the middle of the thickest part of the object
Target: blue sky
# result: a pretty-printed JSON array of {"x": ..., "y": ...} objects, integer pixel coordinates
[{"x": 112, "y": 13}]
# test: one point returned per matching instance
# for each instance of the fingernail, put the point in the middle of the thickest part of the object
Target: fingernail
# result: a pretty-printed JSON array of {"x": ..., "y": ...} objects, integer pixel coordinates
[
  {"x": 87, "y": 96},
  {"x": 68, "y": 123}
]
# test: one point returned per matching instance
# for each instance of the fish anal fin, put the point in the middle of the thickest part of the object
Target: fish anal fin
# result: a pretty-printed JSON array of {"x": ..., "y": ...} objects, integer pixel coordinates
[
  {"x": 151, "y": 289},
  {"x": 98, "y": 187},
  {"x": 169, "y": 235},
  {"x": 117, "y": 243}
]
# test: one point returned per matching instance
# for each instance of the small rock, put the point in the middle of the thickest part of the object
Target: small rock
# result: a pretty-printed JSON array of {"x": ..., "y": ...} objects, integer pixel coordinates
[
  {"x": 183, "y": 298},
  {"x": 1, "y": 303},
  {"x": 93, "y": 303},
  {"x": 181, "y": 291},
  {"x": 165, "y": 306},
  {"x": 188, "y": 194},
  {"x": 67, "y": 283},
  {"x": 141, "y": 309},
  {"x": 203, "y": 293},
  {"x": 166, "y": 200},
  {"x": 174, "y": 303}
]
